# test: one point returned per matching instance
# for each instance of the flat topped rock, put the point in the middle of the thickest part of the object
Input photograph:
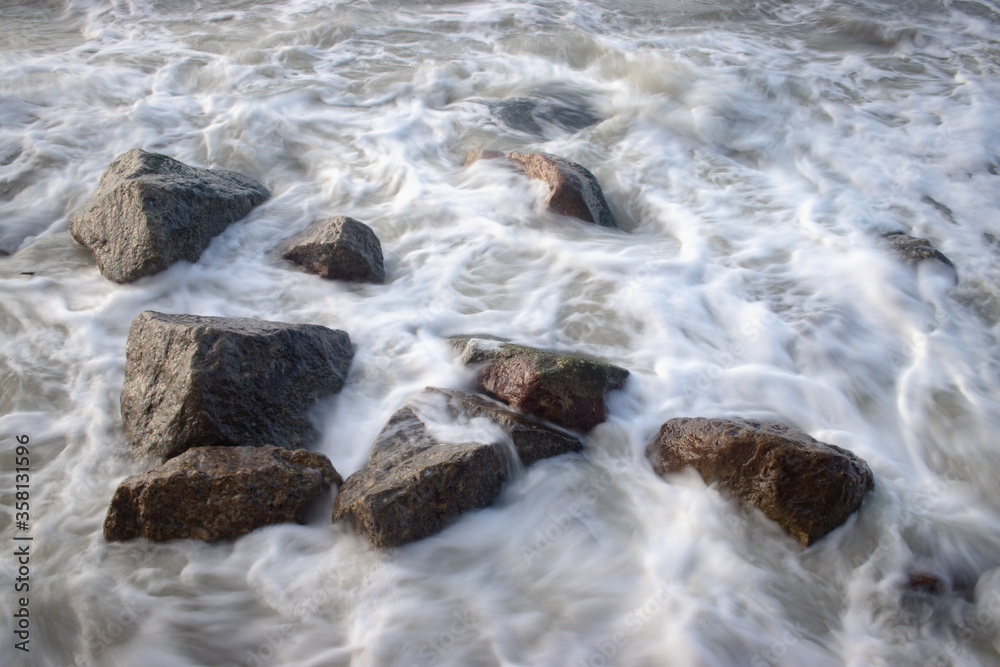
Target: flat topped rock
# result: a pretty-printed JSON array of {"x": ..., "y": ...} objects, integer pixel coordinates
[
  {"x": 573, "y": 190},
  {"x": 442, "y": 454},
  {"x": 808, "y": 487},
  {"x": 338, "y": 248},
  {"x": 566, "y": 389},
  {"x": 218, "y": 493},
  {"x": 193, "y": 381},
  {"x": 150, "y": 211}
]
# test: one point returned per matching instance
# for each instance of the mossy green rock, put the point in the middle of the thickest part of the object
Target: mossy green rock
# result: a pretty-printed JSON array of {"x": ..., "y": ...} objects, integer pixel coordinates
[{"x": 568, "y": 390}]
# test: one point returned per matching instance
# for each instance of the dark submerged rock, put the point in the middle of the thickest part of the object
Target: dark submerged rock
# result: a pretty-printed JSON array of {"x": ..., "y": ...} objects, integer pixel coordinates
[
  {"x": 150, "y": 211},
  {"x": 567, "y": 390},
  {"x": 573, "y": 190},
  {"x": 808, "y": 487},
  {"x": 193, "y": 381},
  {"x": 416, "y": 481},
  {"x": 912, "y": 249},
  {"x": 546, "y": 114},
  {"x": 218, "y": 493},
  {"x": 338, "y": 248}
]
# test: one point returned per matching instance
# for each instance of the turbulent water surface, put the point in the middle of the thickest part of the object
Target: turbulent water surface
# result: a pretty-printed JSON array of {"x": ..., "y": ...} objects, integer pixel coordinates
[{"x": 753, "y": 153}]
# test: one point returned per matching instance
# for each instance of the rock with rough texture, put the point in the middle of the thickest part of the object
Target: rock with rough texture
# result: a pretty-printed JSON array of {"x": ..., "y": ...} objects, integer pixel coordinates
[
  {"x": 567, "y": 390},
  {"x": 573, "y": 190},
  {"x": 911, "y": 249},
  {"x": 218, "y": 493},
  {"x": 193, "y": 381},
  {"x": 338, "y": 248},
  {"x": 442, "y": 454},
  {"x": 150, "y": 211},
  {"x": 808, "y": 487}
]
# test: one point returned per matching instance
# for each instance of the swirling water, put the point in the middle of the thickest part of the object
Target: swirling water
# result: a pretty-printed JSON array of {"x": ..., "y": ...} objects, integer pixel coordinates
[{"x": 753, "y": 154}]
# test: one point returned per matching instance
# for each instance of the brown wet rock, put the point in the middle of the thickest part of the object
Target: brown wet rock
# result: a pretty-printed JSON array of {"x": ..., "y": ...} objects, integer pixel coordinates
[
  {"x": 808, "y": 487},
  {"x": 417, "y": 482},
  {"x": 218, "y": 493},
  {"x": 565, "y": 389},
  {"x": 573, "y": 190},
  {"x": 338, "y": 248}
]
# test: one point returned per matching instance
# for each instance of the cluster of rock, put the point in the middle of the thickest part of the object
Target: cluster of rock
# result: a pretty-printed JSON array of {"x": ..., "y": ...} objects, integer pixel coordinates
[
  {"x": 225, "y": 403},
  {"x": 150, "y": 211}
]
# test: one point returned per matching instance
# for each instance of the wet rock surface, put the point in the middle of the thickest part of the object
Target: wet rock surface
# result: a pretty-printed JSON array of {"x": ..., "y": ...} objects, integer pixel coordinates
[
  {"x": 218, "y": 493},
  {"x": 150, "y": 211},
  {"x": 565, "y": 389},
  {"x": 573, "y": 190},
  {"x": 193, "y": 381},
  {"x": 442, "y": 454},
  {"x": 338, "y": 248},
  {"x": 912, "y": 249},
  {"x": 806, "y": 486}
]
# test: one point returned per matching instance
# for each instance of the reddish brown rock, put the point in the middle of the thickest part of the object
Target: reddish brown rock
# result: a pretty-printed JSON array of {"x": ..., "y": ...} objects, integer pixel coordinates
[
  {"x": 806, "y": 486},
  {"x": 567, "y": 390},
  {"x": 433, "y": 462},
  {"x": 338, "y": 248},
  {"x": 218, "y": 493},
  {"x": 573, "y": 190}
]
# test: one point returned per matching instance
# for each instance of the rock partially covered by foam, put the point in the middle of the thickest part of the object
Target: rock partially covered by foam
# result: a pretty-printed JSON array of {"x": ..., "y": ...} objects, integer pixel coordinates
[
  {"x": 218, "y": 493},
  {"x": 808, "y": 487},
  {"x": 573, "y": 190},
  {"x": 912, "y": 249},
  {"x": 338, "y": 248},
  {"x": 444, "y": 453},
  {"x": 193, "y": 381},
  {"x": 150, "y": 211},
  {"x": 568, "y": 390}
]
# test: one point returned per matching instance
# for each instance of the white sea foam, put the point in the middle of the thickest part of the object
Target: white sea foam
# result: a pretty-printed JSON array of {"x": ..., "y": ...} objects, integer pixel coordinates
[{"x": 752, "y": 152}]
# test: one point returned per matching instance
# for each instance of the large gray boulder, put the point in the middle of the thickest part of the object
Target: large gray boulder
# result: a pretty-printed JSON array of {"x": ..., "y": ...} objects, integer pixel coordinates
[
  {"x": 218, "y": 493},
  {"x": 150, "y": 211},
  {"x": 337, "y": 248},
  {"x": 808, "y": 487},
  {"x": 568, "y": 390},
  {"x": 573, "y": 190},
  {"x": 442, "y": 454},
  {"x": 193, "y": 381}
]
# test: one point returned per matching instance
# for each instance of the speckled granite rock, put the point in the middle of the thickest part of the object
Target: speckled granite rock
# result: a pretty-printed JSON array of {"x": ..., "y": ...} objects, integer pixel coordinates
[
  {"x": 150, "y": 211},
  {"x": 218, "y": 493}
]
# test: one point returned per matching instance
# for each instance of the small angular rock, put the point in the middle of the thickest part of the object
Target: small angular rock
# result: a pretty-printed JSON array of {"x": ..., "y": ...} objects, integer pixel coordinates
[
  {"x": 218, "y": 493},
  {"x": 338, "y": 248},
  {"x": 150, "y": 211},
  {"x": 573, "y": 190},
  {"x": 567, "y": 390},
  {"x": 193, "y": 381},
  {"x": 806, "y": 486},
  {"x": 422, "y": 473},
  {"x": 911, "y": 249}
]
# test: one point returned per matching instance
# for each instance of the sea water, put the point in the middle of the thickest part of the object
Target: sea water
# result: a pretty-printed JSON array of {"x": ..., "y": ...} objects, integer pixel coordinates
[{"x": 754, "y": 153}]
